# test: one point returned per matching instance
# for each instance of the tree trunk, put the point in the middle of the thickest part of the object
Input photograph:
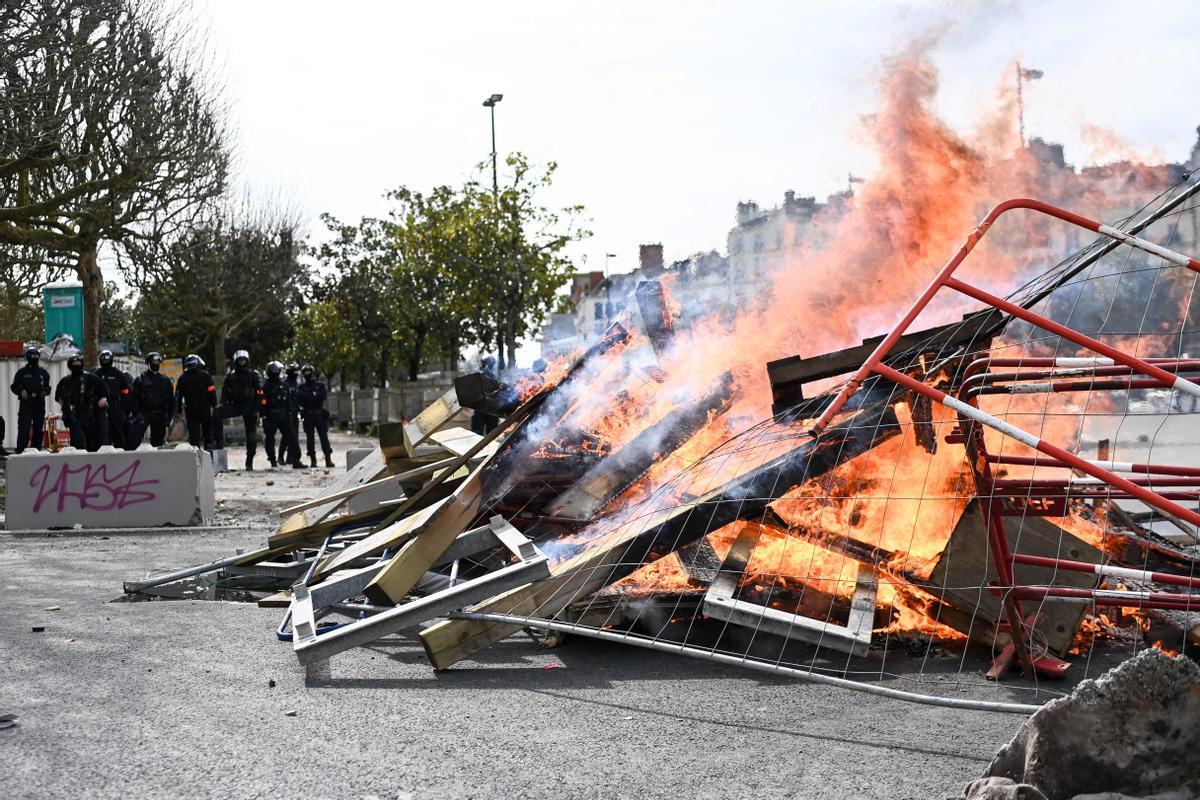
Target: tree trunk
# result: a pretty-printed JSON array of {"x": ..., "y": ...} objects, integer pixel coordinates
[
  {"x": 384, "y": 361},
  {"x": 511, "y": 337},
  {"x": 414, "y": 360},
  {"x": 218, "y": 367},
  {"x": 500, "y": 347},
  {"x": 93, "y": 295}
]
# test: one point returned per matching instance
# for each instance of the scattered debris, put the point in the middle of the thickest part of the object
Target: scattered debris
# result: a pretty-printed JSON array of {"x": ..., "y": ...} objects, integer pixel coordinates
[
  {"x": 8, "y": 721},
  {"x": 628, "y": 494},
  {"x": 39, "y": 628}
]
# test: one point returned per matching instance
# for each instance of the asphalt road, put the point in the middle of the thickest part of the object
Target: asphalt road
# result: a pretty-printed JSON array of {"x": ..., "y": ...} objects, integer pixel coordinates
[{"x": 174, "y": 699}]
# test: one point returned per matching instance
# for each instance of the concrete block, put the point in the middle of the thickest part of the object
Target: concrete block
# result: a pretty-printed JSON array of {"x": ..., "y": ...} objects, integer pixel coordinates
[
  {"x": 111, "y": 488},
  {"x": 220, "y": 460},
  {"x": 370, "y": 499}
]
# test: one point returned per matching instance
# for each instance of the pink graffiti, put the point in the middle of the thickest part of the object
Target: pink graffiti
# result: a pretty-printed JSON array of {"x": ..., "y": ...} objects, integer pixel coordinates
[{"x": 92, "y": 487}]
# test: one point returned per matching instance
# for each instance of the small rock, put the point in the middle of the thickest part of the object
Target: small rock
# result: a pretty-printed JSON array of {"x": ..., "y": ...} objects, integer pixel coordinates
[
  {"x": 53, "y": 608},
  {"x": 39, "y": 628},
  {"x": 270, "y": 483},
  {"x": 289, "y": 713},
  {"x": 271, "y": 683}
]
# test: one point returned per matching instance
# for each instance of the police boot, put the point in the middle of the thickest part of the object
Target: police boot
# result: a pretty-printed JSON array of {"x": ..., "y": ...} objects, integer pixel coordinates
[
  {"x": 312, "y": 460},
  {"x": 249, "y": 463},
  {"x": 328, "y": 460},
  {"x": 298, "y": 464}
]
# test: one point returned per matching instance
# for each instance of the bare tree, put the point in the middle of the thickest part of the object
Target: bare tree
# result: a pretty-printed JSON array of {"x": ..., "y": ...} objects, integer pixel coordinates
[
  {"x": 106, "y": 134},
  {"x": 234, "y": 275}
]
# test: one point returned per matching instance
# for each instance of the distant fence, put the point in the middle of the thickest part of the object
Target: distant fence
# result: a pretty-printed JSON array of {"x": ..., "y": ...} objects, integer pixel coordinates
[{"x": 360, "y": 408}]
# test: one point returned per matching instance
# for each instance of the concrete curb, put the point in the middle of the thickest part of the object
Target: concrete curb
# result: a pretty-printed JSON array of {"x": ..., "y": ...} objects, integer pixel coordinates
[{"x": 163, "y": 531}]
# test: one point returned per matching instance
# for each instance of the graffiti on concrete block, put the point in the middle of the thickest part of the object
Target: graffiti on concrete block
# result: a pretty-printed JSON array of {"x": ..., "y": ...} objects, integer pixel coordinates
[{"x": 91, "y": 486}]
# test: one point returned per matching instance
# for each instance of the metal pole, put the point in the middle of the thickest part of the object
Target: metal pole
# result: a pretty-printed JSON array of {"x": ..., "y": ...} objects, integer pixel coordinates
[{"x": 495, "y": 181}]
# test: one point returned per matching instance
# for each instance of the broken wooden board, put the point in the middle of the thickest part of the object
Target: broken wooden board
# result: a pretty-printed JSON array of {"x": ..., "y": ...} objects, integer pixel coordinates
[
  {"x": 428, "y": 542},
  {"x": 456, "y": 440},
  {"x": 612, "y": 475},
  {"x": 620, "y": 551},
  {"x": 788, "y": 376},
  {"x": 723, "y": 601},
  {"x": 296, "y": 527},
  {"x": 398, "y": 478},
  {"x": 656, "y": 315},
  {"x": 965, "y": 570},
  {"x": 482, "y": 392},
  {"x": 435, "y": 417}
]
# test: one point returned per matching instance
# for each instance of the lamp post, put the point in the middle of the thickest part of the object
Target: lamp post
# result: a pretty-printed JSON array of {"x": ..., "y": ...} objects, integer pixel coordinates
[{"x": 491, "y": 103}]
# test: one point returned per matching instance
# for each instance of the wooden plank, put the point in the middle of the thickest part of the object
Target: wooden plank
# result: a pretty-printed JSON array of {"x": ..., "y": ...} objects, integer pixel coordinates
[
  {"x": 456, "y": 440},
  {"x": 613, "y": 474},
  {"x": 378, "y": 541},
  {"x": 623, "y": 549},
  {"x": 419, "y": 472},
  {"x": 789, "y": 375},
  {"x": 295, "y": 528},
  {"x": 427, "y": 543},
  {"x": 435, "y": 417},
  {"x": 965, "y": 569}
]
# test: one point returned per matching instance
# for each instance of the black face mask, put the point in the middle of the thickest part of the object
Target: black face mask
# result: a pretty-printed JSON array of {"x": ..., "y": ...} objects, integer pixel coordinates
[
  {"x": 77, "y": 369},
  {"x": 33, "y": 362},
  {"x": 153, "y": 367}
]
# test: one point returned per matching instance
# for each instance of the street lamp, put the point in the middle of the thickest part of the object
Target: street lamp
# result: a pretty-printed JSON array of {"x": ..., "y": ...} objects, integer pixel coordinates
[{"x": 491, "y": 103}]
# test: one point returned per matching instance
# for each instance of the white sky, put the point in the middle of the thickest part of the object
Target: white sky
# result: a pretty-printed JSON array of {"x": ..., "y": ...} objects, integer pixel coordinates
[{"x": 663, "y": 115}]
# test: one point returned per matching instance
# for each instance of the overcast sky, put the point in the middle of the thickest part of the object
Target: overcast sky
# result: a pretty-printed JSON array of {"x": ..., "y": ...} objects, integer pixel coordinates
[{"x": 662, "y": 115}]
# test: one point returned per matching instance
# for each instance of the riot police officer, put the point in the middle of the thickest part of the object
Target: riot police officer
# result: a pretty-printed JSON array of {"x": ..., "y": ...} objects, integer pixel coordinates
[
  {"x": 292, "y": 379},
  {"x": 310, "y": 396},
  {"x": 279, "y": 409},
  {"x": 113, "y": 424},
  {"x": 153, "y": 404},
  {"x": 31, "y": 385},
  {"x": 82, "y": 396},
  {"x": 196, "y": 395},
  {"x": 242, "y": 396}
]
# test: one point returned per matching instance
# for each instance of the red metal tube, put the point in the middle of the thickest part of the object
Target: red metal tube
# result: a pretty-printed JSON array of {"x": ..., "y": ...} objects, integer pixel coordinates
[
  {"x": 1147, "y": 497},
  {"x": 1145, "y": 469},
  {"x": 1107, "y": 570},
  {"x": 1110, "y": 597}
]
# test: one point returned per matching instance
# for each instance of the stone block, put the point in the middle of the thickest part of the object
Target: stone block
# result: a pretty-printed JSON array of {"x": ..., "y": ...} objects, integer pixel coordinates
[{"x": 111, "y": 488}]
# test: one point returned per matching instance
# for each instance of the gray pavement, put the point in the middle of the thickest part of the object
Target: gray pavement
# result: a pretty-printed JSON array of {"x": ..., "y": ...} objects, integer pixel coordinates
[{"x": 172, "y": 699}]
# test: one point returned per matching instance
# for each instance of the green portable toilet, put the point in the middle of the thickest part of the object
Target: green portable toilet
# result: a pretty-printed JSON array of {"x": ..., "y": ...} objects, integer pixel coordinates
[{"x": 62, "y": 305}]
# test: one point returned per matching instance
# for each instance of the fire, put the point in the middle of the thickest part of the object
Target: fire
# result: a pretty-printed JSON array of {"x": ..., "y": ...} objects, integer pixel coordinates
[{"x": 865, "y": 258}]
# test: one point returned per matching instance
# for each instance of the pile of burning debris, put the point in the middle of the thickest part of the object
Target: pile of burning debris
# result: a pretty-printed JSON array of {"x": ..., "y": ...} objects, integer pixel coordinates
[{"x": 648, "y": 491}]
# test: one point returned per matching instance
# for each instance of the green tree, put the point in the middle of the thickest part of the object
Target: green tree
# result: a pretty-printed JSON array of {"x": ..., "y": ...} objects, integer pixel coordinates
[
  {"x": 322, "y": 340},
  {"x": 519, "y": 245}
]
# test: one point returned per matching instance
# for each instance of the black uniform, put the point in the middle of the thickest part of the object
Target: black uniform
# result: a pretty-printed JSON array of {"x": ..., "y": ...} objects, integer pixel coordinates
[
  {"x": 311, "y": 395},
  {"x": 31, "y": 385},
  {"x": 153, "y": 404},
  {"x": 242, "y": 396},
  {"x": 196, "y": 395},
  {"x": 279, "y": 409},
  {"x": 114, "y": 426},
  {"x": 79, "y": 395},
  {"x": 292, "y": 380}
]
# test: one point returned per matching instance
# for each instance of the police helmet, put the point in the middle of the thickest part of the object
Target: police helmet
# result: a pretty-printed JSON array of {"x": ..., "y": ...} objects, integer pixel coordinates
[
  {"x": 33, "y": 353},
  {"x": 274, "y": 368},
  {"x": 307, "y": 370},
  {"x": 106, "y": 358},
  {"x": 75, "y": 361},
  {"x": 191, "y": 361},
  {"x": 241, "y": 358},
  {"x": 293, "y": 367},
  {"x": 154, "y": 358}
]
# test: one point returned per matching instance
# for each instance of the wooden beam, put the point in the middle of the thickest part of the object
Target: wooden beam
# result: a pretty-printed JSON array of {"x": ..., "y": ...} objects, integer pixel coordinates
[
  {"x": 401, "y": 477},
  {"x": 622, "y": 549},
  {"x": 295, "y": 529},
  {"x": 788, "y": 376},
  {"x": 435, "y": 535},
  {"x": 435, "y": 417}
]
